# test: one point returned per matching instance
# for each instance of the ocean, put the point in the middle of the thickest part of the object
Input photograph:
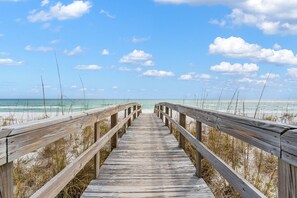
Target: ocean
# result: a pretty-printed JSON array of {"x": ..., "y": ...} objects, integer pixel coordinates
[{"x": 247, "y": 107}]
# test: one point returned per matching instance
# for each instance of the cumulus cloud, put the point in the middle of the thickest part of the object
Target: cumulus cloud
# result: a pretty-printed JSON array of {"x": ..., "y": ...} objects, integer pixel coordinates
[
  {"x": 236, "y": 47},
  {"x": 237, "y": 68},
  {"x": 74, "y": 51},
  {"x": 38, "y": 49},
  {"x": 138, "y": 57},
  {"x": 59, "y": 11},
  {"x": 88, "y": 67},
  {"x": 158, "y": 73},
  {"x": 105, "y": 52},
  {"x": 292, "y": 72},
  {"x": 194, "y": 76},
  {"x": 9, "y": 61},
  {"x": 270, "y": 16}
]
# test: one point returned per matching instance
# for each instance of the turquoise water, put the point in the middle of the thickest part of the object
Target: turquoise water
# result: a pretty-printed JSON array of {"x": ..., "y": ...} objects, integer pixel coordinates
[{"x": 53, "y": 105}]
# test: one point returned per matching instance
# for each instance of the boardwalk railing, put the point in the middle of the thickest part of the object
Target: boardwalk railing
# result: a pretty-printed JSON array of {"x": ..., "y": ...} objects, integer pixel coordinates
[
  {"x": 277, "y": 139},
  {"x": 19, "y": 140}
]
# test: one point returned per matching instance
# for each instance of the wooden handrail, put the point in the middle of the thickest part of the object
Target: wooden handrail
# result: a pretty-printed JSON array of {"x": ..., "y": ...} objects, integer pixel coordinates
[
  {"x": 275, "y": 138},
  {"x": 18, "y": 140}
]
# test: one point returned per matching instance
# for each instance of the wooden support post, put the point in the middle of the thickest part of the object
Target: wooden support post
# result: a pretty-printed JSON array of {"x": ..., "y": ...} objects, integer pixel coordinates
[
  {"x": 167, "y": 112},
  {"x": 171, "y": 122},
  {"x": 138, "y": 110},
  {"x": 287, "y": 179},
  {"x": 6, "y": 180},
  {"x": 129, "y": 112},
  {"x": 198, "y": 155},
  {"x": 134, "y": 115},
  {"x": 97, "y": 156},
  {"x": 182, "y": 122},
  {"x": 125, "y": 126},
  {"x": 161, "y": 115},
  {"x": 159, "y": 108},
  {"x": 114, "y": 138}
]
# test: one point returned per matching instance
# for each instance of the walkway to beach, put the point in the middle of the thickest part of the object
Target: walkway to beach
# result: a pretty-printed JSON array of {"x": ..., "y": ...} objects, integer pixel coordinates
[{"x": 148, "y": 163}]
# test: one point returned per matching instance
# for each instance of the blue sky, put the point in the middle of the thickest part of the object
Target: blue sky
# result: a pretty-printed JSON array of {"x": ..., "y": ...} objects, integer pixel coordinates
[{"x": 148, "y": 48}]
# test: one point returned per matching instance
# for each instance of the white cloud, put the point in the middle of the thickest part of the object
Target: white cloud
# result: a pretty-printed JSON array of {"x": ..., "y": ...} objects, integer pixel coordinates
[
  {"x": 292, "y": 72},
  {"x": 44, "y": 2},
  {"x": 74, "y": 51},
  {"x": 128, "y": 69},
  {"x": 115, "y": 87},
  {"x": 105, "y": 52},
  {"x": 194, "y": 76},
  {"x": 107, "y": 14},
  {"x": 249, "y": 80},
  {"x": 237, "y": 68},
  {"x": 270, "y": 75},
  {"x": 38, "y": 49},
  {"x": 158, "y": 73},
  {"x": 236, "y": 47},
  {"x": 138, "y": 57},
  {"x": 270, "y": 16},
  {"x": 9, "y": 61},
  {"x": 139, "y": 40},
  {"x": 61, "y": 12},
  {"x": 88, "y": 67},
  {"x": 148, "y": 63},
  {"x": 276, "y": 46}
]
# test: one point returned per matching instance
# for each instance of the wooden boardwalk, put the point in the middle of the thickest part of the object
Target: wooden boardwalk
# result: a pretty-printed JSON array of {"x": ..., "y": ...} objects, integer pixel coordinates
[{"x": 147, "y": 163}]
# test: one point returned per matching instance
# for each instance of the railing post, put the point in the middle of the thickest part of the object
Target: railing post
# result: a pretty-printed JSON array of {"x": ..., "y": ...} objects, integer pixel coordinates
[
  {"x": 182, "y": 122},
  {"x": 161, "y": 115},
  {"x": 159, "y": 108},
  {"x": 125, "y": 126},
  {"x": 114, "y": 138},
  {"x": 171, "y": 122},
  {"x": 129, "y": 112},
  {"x": 6, "y": 180},
  {"x": 198, "y": 155},
  {"x": 97, "y": 156},
  {"x": 134, "y": 115},
  {"x": 166, "y": 119},
  {"x": 287, "y": 179}
]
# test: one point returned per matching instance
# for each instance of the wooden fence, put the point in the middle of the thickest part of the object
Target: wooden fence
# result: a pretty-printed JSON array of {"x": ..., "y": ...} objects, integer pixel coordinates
[
  {"x": 277, "y": 139},
  {"x": 19, "y": 140}
]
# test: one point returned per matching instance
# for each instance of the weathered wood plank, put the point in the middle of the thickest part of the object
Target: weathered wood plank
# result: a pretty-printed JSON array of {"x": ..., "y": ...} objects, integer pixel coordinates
[
  {"x": 115, "y": 137},
  {"x": 198, "y": 155},
  {"x": 241, "y": 185},
  {"x": 97, "y": 156},
  {"x": 289, "y": 146},
  {"x": 2, "y": 151},
  {"x": 148, "y": 163},
  {"x": 182, "y": 122},
  {"x": 6, "y": 180},
  {"x": 287, "y": 183}
]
